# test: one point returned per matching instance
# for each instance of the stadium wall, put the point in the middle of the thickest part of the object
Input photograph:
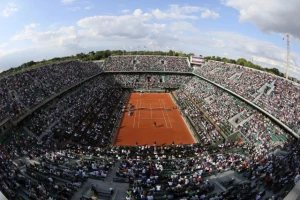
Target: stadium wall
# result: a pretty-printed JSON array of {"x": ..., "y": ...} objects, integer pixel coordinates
[
  {"x": 141, "y": 90},
  {"x": 118, "y": 123}
]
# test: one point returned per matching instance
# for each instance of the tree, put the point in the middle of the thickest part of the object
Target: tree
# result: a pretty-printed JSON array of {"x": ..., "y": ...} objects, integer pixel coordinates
[
  {"x": 274, "y": 71},
  {"x": 170, "y": 53},
  {"x": 232, "y": 61},
  {"x": 241, "y": 61},
  {"x": 107, "y": 53},
  {"x": 80, "y": 55}
]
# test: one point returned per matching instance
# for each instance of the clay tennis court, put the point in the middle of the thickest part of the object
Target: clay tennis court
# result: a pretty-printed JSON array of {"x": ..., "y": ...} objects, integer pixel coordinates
[{"x": 150, "y": 108}]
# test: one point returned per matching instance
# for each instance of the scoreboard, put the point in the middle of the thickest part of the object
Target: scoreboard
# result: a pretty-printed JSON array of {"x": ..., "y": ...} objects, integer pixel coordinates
[{"x": 197, "y": 59}]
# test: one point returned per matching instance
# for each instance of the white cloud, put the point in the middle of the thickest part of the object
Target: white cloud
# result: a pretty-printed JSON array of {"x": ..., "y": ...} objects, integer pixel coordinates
[
  {"x": 270, "y": 17},
  {"x": 16, "y": 57},
  {"x": 138, "y": 12},
  {"x": 177, "y": 12},
  {"x": 182, "y": 26},
  {"x": 73, "y": 9},
  {"x": 67, "y": 1},
  {"x": 3, "y": 44},
  {"x": 31, "y": 26},
  {"x": 54, "y": 26},
  {"x": 217, "y": 43},
  {"x": 185, "y": 12},
  {"x": 266, "y": 53},
  {"x": 88, "y": 7},
  {"x": 137, "y": 29},
  {"x": 128, "y": 26},
  {"x": 64, "y": 36},
  {"x": 125, "y": 11},
  {"x": 10, "y": 9},
  {"x": 209, "y": 14}
]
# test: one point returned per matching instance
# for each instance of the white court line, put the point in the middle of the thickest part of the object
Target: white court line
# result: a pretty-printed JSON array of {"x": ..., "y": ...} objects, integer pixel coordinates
[
  {"x": 160, "y": 103},
  {"x": 168, "y": 115},
  {"x": 134, "y": 116},
  {"x": 151, "y": 99},
  {"x": 163, "y": 114},
  {"x": 139, "y": 113},
  {"x": 152, "y": 118}
]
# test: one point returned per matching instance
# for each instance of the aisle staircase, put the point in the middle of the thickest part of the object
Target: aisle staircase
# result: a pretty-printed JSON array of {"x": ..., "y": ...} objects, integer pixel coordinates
[{"x": 104, "y": 186}]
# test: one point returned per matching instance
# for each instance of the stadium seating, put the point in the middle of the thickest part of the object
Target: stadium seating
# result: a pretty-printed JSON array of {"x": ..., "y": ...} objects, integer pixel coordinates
[
  {"x": 147, "y": 63},
  {"x": 22, "y": 91},
  {"x": 272, "y": 93},
  {"x": 54, "y": 151},
  {"x": 151, "y": 80}
]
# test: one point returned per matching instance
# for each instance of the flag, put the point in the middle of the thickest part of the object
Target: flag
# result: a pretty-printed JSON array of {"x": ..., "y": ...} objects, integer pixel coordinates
[
  {"x": 145, "y": 47},
  {"x": 138, "y": 46},
  {"x": 130, "y": 47}
]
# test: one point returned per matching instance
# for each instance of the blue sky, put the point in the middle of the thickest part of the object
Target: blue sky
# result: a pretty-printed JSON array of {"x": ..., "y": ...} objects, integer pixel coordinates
[{"x": 36, "y": 30}]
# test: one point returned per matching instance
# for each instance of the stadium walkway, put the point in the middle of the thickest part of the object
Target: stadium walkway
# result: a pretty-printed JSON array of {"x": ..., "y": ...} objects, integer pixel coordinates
[{"x": 104, "y": 186}]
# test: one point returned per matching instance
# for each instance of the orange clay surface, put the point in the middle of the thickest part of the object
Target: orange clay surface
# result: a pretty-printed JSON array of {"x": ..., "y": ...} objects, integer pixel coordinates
[{"x": 150, "y": 108}]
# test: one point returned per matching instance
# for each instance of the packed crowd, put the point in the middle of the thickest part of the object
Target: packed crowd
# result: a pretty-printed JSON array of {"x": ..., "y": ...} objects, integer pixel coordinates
[
  {"x": 22, "y": 91},
  {"x": 147, "y": 63},
  {"x": 181, "y": 172},
  {"x": 220, "y": 107},
  {"x": 205, "y": 130},
  {"x": 162, "y": 172},
  {"x": 260, "y": 129},
  {"x": 153, "y": 81},
  {"x": 51, "y": 173},
  {"x": 82, "y": 114},
  {"x": 282, "y": 101},
  {"x": 12, "y": 178},
  {"x": 83, "y": 119}
]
